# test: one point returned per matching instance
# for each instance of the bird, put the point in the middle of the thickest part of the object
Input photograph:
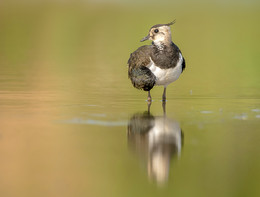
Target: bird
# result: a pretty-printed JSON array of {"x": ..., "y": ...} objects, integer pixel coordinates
[{"x": 158, "y": 64}]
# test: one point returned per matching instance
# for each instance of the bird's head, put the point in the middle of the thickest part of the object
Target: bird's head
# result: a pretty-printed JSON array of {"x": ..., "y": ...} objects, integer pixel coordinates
[{"x": 160, "y": 33}]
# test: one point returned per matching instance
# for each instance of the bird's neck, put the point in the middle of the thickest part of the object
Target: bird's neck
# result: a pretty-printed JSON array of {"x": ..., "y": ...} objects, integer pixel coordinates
[{"x": 162, "y": 44}]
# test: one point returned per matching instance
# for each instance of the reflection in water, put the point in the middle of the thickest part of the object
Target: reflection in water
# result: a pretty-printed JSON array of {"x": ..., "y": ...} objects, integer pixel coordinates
[{"x": 156, "y": 139}]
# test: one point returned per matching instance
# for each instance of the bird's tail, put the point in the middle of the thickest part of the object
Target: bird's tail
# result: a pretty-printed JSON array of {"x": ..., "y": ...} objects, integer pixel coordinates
[{"x": 142, "y": 78}]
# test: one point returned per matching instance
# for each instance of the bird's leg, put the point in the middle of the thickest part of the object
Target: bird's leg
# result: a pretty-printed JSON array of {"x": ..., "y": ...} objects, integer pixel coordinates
[
  {"x": 164, "y": 109},
  {"x": 149, "y": 106},
  {"x": 164, "y": 95},
  {"x": 149, "y": 98}
]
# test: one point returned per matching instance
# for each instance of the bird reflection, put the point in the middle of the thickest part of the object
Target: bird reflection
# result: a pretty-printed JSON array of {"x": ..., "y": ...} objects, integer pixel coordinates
[{"x": 156, "y": 139}]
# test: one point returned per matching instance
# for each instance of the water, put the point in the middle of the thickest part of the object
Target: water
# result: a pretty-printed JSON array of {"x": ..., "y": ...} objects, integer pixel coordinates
[{"x": 71, "y": 124}]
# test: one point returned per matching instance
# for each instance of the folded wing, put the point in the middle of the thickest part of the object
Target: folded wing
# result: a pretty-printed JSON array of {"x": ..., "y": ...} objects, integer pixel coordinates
[{"x": 138, "y": 72}]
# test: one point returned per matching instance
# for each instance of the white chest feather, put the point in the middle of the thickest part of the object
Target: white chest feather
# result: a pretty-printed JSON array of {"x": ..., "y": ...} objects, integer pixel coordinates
[{"x": 166, "y": 76}]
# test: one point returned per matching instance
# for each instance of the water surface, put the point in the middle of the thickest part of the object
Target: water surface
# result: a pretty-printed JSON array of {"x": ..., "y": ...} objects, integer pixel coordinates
[{"x": 71, "y": 124}]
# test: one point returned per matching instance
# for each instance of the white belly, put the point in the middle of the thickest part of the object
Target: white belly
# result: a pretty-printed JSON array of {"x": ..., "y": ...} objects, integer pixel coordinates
[{"x": 166, "y": 76}]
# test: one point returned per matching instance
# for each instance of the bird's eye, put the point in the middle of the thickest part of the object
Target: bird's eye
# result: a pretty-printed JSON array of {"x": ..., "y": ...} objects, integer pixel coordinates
[{"x": 156, "y": 31}]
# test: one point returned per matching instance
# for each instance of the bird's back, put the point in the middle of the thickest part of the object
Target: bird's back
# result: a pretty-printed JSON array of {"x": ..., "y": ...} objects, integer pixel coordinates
[{"x": 141, "y": 76}]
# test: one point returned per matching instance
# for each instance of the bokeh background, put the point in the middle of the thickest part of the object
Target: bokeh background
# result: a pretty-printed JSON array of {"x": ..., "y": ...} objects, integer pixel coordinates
[{"x": 66, "y": 99}]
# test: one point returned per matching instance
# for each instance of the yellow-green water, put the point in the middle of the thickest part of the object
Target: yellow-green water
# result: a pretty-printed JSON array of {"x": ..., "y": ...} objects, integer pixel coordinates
[{"x": 66, "y": 103}]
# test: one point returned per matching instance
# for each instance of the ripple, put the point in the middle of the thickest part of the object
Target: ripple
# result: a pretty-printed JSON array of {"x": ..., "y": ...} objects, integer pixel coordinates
[
  {"x": 94, "y": 122},
  {"x": 242, "y": 116},
  {"x": 206, "y": 112}
]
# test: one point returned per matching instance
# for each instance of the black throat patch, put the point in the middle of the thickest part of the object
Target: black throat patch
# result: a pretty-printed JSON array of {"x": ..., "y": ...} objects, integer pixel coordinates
[{"x": 165, "y": 56}]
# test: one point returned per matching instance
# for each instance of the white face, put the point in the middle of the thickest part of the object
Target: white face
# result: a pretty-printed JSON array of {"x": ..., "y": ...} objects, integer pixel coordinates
[{"x": 160, "y": 34}]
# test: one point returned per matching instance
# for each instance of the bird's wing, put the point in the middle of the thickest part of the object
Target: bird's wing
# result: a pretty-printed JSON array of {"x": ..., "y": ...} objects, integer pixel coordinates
[
  {"x": 140, "y": 57},
  {"x": 140, "y": 75},
  {"x": 183, "y": 64}
]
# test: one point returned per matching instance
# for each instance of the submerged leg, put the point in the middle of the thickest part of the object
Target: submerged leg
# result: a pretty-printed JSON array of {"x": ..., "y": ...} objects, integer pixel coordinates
[
  {"x": 164, "y": 95},
  {"x": 164, "y": 109},
  {"x": 149, "y": 106},
  {"x": 149, "y": 98}
]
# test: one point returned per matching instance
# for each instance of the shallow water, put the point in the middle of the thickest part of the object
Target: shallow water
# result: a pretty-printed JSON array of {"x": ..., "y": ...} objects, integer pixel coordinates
[{"x": 71, "y": 124}]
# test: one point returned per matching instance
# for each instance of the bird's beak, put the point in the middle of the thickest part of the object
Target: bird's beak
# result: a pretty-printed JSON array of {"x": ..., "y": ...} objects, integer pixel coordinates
[{"x": 145, "y": 38}]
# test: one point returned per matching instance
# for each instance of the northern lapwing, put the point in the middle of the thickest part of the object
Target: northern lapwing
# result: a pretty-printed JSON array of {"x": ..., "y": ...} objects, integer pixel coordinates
[{"x": 158, "y": 64}]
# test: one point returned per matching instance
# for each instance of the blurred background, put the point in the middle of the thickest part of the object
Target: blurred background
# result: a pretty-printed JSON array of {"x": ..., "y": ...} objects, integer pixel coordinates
[{"x": 66, "y": 101}]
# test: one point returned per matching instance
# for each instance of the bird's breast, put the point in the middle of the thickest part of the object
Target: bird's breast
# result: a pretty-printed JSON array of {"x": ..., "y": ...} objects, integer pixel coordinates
[{"x": 168, "y": 75}]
